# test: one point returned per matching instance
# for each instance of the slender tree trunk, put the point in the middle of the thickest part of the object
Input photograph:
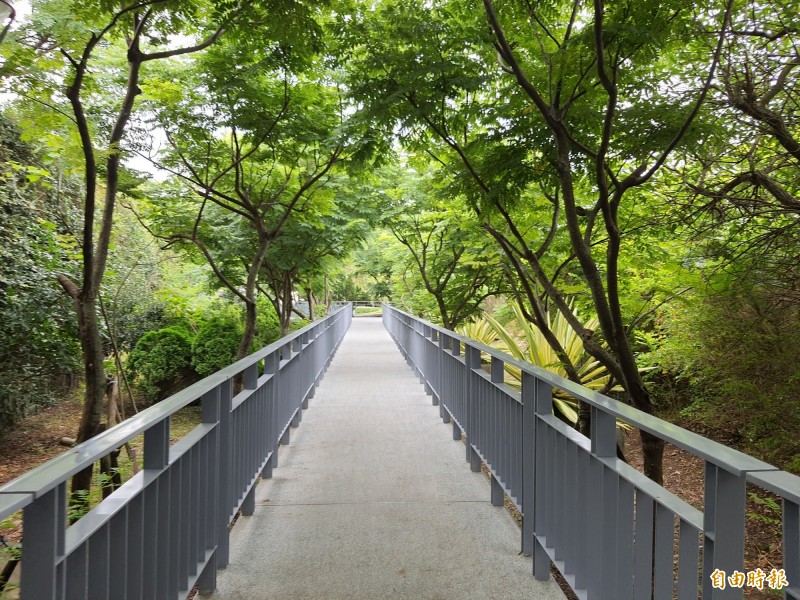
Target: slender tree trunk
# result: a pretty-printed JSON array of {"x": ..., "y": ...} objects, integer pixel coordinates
[
  {"x": 251, "y": 314},
  {"x": 7, "y": 572},
  {"x": 286, "y": 318},
  {"x": 311, "y": 303},
  {"x": 91, "y": 417},
  {"x": 446, "y": 323}
]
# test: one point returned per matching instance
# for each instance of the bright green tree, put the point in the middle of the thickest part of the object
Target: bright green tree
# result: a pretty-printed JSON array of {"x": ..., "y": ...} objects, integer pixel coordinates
[
  {"x": 255, "y": 135},
  {"x": 456, "y": 261}
]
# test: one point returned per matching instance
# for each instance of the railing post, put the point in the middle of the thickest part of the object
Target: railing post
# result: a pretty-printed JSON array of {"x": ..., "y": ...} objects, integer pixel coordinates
[
  {"x": 539, "y": 396},
  {"x": 207, "y": 582},
  {"x": 604, "y": 445},
  {"x": 44, "y": 526},
  {"x": 528, "y": 396},
  {"x": 271, "y": 368},
  {"x": 224, "y": 491},
  {"x": 450, "y": 345},
  {"x": 603, "y": 434},
  {"x": 155, "y": 543},
  {"x": 472, "y": 359},
  {"x": 156, "y": 445},
  {"x": 251, "y": 377},
  {"x": 723, "y": 524},
  {"x": 437, "y": 397},
  {"x": 791, "y": 546},
  {"x": 249, "y": 503},
  {"x": 427, "y": 337}
]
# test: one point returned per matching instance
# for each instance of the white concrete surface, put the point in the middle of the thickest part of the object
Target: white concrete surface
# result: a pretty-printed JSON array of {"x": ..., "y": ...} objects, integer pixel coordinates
[{"x": 374, "y": 500}]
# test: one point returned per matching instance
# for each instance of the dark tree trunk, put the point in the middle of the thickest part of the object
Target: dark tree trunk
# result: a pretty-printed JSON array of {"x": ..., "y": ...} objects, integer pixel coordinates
[
  {"x": 286, "y": 307},
  {"x": 653, "y": 455},
  {"x": 250, "y": 321},
  {"x": 311, "y": 303},
  {"x": 91, "y": 417},
  {"x": 7, "y": 572}
]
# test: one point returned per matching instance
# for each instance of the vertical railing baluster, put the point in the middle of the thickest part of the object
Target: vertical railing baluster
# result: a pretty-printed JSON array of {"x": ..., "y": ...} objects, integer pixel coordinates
[
  {"x": 473, "y": 361},
  {"x": 723, "y": 522},
  {"x": 44, "y": 521},
  {"x": 527, "y": 501},
  {"x": 225, "y": 490},
  {"x": 119, "y": 554},
  {"x": 211, "y": 414},
  {"x": 791, "y": 547},
  {"x": 539, "y": 396},
  {"x": 99, "y": 552},
  {"x": 135, "y": 563}
]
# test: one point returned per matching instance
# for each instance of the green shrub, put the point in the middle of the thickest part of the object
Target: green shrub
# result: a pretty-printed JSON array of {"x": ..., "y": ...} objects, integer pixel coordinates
[
  {"x": 268, "y": 325},
  {"x": 298, "y": 324},
  {"x": 216, "y": 343},
  {"x": 161, "y": 362},
  {"x": 735, "y": 355}
]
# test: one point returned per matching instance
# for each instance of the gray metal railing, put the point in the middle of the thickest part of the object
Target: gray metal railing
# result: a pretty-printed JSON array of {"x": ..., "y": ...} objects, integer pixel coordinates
[
  {"x": 613, "y": 533},
  {"x": 336, "y": 304},
  {"x": 166, "y": 529}
]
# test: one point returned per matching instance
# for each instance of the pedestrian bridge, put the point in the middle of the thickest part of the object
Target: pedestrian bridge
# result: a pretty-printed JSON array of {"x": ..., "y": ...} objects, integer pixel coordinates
[{"x": 397, "y": 484}]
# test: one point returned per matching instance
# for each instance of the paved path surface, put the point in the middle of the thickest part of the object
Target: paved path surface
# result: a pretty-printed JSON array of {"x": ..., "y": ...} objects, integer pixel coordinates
[{"x": 374, "y": 500}]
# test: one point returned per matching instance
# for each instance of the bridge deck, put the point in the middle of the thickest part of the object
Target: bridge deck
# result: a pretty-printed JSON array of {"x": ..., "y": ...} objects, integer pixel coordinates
[{"x": 372, "y": 499}]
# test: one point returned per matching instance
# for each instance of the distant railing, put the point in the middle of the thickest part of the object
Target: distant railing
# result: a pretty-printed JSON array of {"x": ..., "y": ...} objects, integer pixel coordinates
[
  {"x": 376, "y": 304},
  {"x": 166, "y": 529},
  {"x": 613, "y": 533}
]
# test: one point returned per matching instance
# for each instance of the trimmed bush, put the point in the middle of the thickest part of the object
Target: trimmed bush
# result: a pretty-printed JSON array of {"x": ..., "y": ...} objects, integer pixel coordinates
[
  {"x": 161, "y": 362},
  {"x": 216, "y": 344}
]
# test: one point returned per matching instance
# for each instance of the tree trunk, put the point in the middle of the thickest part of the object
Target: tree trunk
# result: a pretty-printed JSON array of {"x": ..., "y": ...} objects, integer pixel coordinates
[
  {"x": 7, "y": 572},
  {"x": 249, "y": 330},
  {"x": 91, "y": 417},
  {"x": 286, "y": 309},
  {"x": 653, "y": 455},
  {"x": 311, "y": 303},
  {"x": 442, "y": 309}
]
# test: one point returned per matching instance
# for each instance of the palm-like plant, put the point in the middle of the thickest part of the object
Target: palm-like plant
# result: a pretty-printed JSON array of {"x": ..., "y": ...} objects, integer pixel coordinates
[
  {"x": 479, "y": 330},
  {"x": 534, "y": 349}
]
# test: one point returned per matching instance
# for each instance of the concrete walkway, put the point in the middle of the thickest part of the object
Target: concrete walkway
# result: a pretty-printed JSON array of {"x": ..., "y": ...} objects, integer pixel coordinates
[{"x": 374, "y": 500}]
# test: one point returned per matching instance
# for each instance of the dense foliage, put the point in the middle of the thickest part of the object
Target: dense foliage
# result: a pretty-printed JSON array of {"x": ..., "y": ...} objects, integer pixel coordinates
[
  {"x": 39, "y": 339},
  {"x": 161, "y": 362}
]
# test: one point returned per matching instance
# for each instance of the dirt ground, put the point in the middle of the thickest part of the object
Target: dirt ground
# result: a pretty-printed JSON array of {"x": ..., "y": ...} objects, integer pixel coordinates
[{"x": 36, "y": 439}]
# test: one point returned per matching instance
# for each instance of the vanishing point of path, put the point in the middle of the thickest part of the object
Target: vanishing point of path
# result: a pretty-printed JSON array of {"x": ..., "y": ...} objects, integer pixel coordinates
[{"x": 374, "y": 500}]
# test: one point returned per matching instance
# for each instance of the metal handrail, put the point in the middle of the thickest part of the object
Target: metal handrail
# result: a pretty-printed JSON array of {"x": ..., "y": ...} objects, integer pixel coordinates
[
  {"x": 620, "y": 543},
  {"x": 169, "y": 523}
]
